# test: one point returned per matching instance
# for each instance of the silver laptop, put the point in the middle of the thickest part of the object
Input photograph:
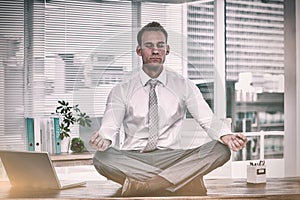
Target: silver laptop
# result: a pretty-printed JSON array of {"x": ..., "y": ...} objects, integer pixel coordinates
[{"x": 32, "y": 170}]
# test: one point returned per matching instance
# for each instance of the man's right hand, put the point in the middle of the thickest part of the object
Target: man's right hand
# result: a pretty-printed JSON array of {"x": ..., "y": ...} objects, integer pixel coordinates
[{"x": 98, "y": 142}]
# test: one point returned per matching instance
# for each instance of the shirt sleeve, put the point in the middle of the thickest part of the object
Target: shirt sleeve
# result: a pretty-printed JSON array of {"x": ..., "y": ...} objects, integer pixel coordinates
[
  {"x": 202, "y": 113},
  {"x": 113, "y": 116}
]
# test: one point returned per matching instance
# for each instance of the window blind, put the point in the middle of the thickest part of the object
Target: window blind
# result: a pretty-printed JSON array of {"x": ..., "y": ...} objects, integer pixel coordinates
[
  {"x": 254, "y": 39},
  {"x": 74, "y": 50},
  {"x": 83, "y": 41},
  {"x": 83, "y": 48},
  {"x": 77, "y": 50},
  {"x": 255, "y": 64},
  {"x": 12, "y": 80},
  {"x": 201, "y": 41}
]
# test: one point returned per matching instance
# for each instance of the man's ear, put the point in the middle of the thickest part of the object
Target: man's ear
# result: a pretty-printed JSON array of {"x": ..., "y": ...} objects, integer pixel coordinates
[
  {"x": 138, "y": 50},
  {"x": 168, "y": 50}
]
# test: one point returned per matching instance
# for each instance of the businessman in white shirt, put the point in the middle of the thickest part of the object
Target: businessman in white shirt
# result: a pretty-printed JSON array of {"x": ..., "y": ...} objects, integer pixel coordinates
[{"x": 151, "y": 107}]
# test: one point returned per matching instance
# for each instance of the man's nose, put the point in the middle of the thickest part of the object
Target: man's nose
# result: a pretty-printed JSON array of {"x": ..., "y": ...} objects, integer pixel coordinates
[{"x": 155, "y": 50}]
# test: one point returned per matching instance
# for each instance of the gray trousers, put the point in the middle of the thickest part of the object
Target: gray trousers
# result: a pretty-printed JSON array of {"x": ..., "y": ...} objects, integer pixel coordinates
[{"x": 177, "y": 166}]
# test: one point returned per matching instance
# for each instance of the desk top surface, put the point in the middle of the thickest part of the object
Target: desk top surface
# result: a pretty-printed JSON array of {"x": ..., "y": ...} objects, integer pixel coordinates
[{"x": 281, "y": 188}]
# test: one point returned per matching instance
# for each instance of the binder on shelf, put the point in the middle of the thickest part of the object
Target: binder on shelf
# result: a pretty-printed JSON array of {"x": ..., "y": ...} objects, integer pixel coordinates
[
  {"x": 50, "y": 135},
  {"x": 29, "y": 122},
  {"x": 56, "y": 135},
  {"x": 46, "y": 135},
  {"x": 37, "y": 134}
]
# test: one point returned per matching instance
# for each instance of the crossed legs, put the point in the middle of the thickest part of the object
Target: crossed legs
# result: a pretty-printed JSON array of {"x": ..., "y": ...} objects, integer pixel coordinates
[{"x": 159, "y": 170}]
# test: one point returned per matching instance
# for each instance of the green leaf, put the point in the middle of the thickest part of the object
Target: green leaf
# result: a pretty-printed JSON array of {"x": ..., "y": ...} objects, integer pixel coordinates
[{"x": 70, "y": 115}]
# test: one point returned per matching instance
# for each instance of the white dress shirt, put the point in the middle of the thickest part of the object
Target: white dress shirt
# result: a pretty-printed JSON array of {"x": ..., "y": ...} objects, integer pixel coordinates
[{"x": 127, "y": 105}]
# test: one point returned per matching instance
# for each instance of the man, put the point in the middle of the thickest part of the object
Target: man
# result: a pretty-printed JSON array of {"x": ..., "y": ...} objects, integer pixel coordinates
[{"x": 151, "y": 106}]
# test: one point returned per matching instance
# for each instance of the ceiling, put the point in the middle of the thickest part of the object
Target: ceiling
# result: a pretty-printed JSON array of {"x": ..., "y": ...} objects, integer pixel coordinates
[
  {"x": 157, "y": 1},
  {"x": 167, "y": 1}
]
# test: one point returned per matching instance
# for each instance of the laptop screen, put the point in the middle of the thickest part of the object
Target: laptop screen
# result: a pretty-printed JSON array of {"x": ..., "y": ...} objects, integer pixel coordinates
[{"x": 29, "y": 169}]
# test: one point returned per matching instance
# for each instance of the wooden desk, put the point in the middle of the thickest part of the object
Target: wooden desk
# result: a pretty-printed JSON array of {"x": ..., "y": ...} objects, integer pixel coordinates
[
  {"x": 282, "y": 188},
  {"x": 72, "y": 159},
  {"x": 92, "y": 190}
]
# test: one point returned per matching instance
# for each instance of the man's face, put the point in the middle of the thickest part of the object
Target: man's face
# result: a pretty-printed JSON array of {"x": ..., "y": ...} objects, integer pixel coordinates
[{"x": 153, "y": 49}]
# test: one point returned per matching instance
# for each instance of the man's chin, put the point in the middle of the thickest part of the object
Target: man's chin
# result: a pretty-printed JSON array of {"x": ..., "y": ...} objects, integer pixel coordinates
[{"x": 153, "y": 66}]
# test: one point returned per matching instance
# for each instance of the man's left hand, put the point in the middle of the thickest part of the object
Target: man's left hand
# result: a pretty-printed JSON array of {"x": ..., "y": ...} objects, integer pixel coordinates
[{"x": 235, "y": 142}]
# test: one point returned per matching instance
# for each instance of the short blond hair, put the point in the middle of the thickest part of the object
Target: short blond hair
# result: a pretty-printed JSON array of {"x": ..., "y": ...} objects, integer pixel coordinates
[{"x": 152, "y": 26}]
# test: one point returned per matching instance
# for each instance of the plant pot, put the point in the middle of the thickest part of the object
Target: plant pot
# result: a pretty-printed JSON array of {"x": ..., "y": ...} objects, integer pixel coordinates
[
  {"x": 65, "y": 145},
  {"x": 77, "y": 145}
]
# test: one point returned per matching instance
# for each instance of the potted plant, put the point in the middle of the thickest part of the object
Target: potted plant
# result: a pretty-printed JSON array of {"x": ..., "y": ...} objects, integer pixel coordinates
[
  {"x": 70, "y": 115},
  {"x": 77, "y": 145}
]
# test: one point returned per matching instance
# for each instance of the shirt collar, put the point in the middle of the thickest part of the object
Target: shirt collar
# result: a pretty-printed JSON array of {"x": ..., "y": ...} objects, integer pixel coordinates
[{"x": 162, "y": 78}]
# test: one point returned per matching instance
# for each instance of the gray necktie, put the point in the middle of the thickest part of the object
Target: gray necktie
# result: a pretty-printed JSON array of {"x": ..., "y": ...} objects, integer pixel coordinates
[{"x": 153, "y": 117}]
